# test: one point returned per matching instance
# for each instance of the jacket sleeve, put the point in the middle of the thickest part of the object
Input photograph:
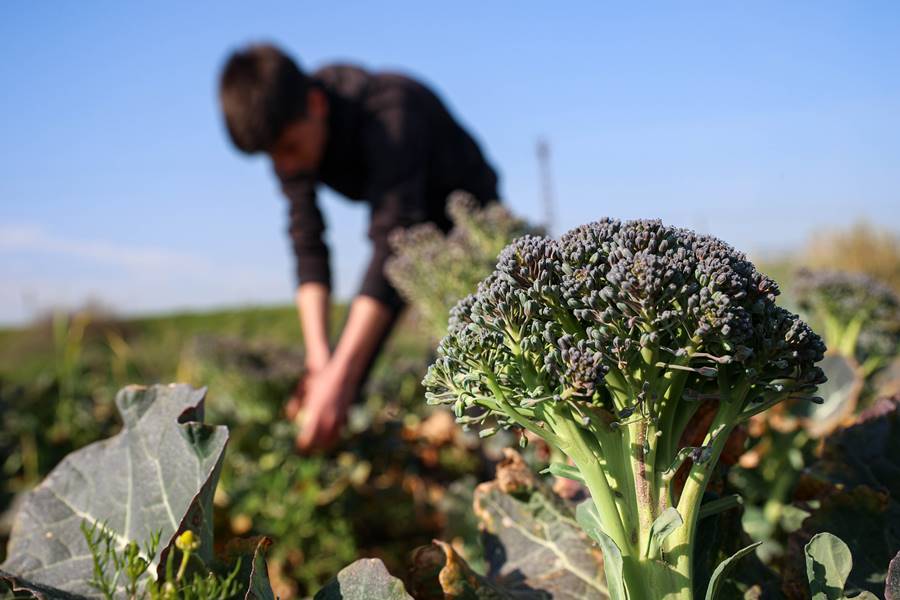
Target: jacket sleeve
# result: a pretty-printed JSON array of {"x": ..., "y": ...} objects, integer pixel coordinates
[
  {"x": 306, "y": 228},
  {"x": 396, "y": 147}
]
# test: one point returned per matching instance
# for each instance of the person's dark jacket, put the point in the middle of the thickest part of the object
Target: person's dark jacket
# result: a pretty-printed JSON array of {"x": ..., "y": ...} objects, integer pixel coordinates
[{"x": 393, "y": 144}]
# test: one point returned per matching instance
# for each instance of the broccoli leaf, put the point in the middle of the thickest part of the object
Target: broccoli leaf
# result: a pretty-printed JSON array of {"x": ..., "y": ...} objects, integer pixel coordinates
[
  {"x": 714, "y": 507},
  {"x": 589, "y": 519},
  {"x": 828, "y": 564},
  {"x": 718, "y": 576},
  {"x": 665, "y": 523},
  {"x": 362, "y": 580},
  {"x": 722, "y": 538},
  {"x": 862, "y": 519},
  {"x": 564, "y": 471},
  {"x": 254, "y": 573},
  {"x": 532, "y": 540},
  {"x": 157, "y": 474}
]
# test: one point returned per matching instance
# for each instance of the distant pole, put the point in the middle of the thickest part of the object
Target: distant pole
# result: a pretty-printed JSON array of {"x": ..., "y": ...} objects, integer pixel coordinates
[{"x": 547, "y": 197}]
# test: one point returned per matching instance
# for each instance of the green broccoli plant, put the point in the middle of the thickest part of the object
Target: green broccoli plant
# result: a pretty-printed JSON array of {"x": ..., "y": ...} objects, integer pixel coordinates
[
  {"x": 860, "y": 316},
  {"x": 605, "y": 344},
  {"x": 434, "y": 270}
]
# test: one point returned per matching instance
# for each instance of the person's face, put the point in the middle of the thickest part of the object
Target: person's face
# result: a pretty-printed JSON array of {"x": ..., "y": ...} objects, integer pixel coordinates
[{"x": 300, "y": 146}]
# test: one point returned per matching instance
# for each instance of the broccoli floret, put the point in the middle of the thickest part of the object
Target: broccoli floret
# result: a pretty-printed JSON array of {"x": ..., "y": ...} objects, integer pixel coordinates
[
  {"x": 860, "y": 316},
  {"x": 605, "y": 344}
]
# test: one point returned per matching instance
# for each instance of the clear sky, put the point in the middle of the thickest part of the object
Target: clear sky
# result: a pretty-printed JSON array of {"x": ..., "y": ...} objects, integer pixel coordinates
[{"x": 756, "y": 121}]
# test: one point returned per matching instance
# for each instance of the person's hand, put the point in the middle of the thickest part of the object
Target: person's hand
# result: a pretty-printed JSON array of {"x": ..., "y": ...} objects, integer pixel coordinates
[
  {"x": 327, "y": 395},
  {"x": 295, "y": 403},
  {"x": 313, "y": 365}
]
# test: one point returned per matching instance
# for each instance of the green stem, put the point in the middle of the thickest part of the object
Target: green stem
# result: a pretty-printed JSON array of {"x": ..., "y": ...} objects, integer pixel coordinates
[
  {"x": 681, "y": 542},
  {"x": 846, "y": 343},
  {"x": 185, "y": 557},
  {"x": 610, "y": 470},
  {"x": 642, "y": 476},
  {"x": 509, "y": 410},
  {"x": 668, "y": 444},
  {"x": 619, "y": 388},
  {"x": 592, "y": 467},
  {"x": 616, "y": 465}
]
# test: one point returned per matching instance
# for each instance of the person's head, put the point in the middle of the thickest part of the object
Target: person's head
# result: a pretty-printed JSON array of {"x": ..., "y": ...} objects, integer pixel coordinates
[{"x": 271, "y": 106}]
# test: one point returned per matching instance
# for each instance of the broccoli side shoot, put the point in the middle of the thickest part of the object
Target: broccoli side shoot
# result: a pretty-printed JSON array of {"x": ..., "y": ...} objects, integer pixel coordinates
[{"x": 605, "y": 344}]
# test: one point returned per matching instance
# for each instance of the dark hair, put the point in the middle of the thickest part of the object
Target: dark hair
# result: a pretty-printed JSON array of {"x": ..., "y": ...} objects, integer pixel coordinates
[{"x": 261, "y": 91}]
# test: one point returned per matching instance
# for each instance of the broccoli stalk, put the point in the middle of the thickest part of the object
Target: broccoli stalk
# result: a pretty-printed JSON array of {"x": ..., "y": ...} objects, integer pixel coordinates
[{"x": 605, "y": 344}]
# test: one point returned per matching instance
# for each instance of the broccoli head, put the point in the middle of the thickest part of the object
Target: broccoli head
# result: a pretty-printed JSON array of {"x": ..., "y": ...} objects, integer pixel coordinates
[
  {"x": 605, "y": 344},
  {"x": 859, "y": 315}
]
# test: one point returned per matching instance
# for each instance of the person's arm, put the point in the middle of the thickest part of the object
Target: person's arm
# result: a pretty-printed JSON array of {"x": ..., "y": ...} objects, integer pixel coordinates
[
  {"x": 306, "y": 228},
  {"x": 367, "y": 323},
  {"x": 330, "y": 392},
  {"x": 313, "y": 302}
]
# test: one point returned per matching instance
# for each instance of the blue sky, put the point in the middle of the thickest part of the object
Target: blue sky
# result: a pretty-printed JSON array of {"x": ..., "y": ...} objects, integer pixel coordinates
[{"x": 758, "y": 122}]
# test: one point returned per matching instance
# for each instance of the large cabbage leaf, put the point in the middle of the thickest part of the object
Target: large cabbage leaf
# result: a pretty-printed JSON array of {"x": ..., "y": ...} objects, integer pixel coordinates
[
  {"x": 158, "y": 474},
  {"x": 534, "y": 546}
]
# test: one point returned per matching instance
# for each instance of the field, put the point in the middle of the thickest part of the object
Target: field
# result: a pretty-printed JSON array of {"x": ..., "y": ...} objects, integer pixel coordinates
[
  {"x": 405, "y": 474},
  {"x": 59, "y": 379}
]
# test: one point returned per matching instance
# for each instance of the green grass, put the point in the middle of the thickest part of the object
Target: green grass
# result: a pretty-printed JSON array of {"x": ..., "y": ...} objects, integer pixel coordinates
[{"x": 153, "y": 344}]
